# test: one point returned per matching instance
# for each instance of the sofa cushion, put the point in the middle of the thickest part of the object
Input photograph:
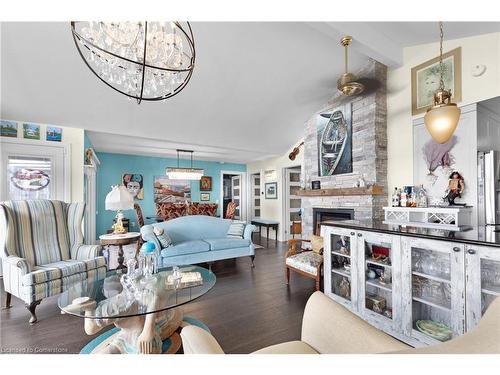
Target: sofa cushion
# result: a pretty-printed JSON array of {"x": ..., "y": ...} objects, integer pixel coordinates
[
  {"x": 290, "y": 347},
  {"x": 186, "y": 247},
  {"x": 227, "y": 243},
  {"x": 307, "y": 261},
  {"x": 236, "y": 230},
  {"x": 54, "y": 271},
  {"x": 162, "y": 237}
]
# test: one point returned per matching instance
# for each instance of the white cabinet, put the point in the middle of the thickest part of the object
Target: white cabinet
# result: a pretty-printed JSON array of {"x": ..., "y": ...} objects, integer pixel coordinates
[
  {"x": 482, "y": 280},
  {"x": 433, "y": 276},
  {"x": 379, "y": 280},
  {"x": 398, "y": 282},
  {"x": 340, "y": 270}
]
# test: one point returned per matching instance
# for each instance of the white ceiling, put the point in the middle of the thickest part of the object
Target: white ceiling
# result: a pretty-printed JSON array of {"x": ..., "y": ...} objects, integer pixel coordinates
[{"x": 254, "y": 85}]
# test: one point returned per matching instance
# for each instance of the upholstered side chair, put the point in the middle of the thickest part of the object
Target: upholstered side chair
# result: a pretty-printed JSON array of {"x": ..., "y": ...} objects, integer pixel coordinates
[
  {"x": 306, "y": 262},
  {"x": 41, "y": 244}
]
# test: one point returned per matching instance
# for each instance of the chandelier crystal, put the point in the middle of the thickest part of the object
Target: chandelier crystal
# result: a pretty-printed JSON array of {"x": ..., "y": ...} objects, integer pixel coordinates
[{"x": 143, "y": 60}]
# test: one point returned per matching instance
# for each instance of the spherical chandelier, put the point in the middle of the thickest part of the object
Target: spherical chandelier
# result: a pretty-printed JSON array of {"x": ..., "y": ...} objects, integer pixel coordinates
[{"x": 142, "y": 60}]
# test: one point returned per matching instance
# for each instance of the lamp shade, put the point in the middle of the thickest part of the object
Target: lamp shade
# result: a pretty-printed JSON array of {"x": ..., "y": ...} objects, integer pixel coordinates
[
  {"x": 119, "y": 199},
  {"x": 441, "y": 121}
]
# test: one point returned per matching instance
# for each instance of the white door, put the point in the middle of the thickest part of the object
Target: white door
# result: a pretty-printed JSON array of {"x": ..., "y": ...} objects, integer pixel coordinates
[
  {"x": 236, "y": 194},
  {"x": 255, "y": 195},
  {"x": 33, "y": 171},
  {"x": 292, "y": 200}
]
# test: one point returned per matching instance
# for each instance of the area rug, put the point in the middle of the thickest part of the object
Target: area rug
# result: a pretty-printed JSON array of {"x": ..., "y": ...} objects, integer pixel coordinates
[{"x": 168, "y": 345}]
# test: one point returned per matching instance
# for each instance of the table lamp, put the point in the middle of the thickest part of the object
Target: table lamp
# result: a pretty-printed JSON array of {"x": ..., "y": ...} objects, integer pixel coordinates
[{"x": 119, "y": 199}]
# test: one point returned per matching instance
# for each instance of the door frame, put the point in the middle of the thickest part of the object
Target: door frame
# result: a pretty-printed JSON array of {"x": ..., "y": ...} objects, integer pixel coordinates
[
  {"x": 284, "y": 198},
  {"x": 243, "y": 193},
  {"x": 56, "y": 145}
]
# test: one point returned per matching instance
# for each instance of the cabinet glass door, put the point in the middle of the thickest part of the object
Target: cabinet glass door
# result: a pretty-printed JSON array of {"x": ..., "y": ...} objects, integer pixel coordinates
[
  {"x": 340, "y": 282},
  {"x": 437, "y": 286},
  {"x": 483, "y": 281},
  {"x": 380, "y": 277}
]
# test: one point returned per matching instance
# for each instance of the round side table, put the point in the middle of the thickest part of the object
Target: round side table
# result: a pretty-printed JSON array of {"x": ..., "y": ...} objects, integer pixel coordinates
[{"x": 120, "y": 240}]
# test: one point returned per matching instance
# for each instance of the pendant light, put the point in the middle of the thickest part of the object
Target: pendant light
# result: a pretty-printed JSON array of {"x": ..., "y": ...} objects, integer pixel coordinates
[
  {"x": 441, "y": 119},
  {"x": 184, "y": 173}
]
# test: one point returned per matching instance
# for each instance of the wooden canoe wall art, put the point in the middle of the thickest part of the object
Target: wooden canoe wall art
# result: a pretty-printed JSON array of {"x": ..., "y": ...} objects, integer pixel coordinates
[{"x": 335, "y": 141}]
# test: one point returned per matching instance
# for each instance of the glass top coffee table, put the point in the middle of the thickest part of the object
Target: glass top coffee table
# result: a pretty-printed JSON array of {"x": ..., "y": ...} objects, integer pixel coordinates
[{"x": 146, "y": 315}]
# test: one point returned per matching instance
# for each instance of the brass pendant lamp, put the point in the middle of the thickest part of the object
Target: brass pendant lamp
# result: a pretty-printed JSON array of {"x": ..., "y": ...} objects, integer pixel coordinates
[{"x": 441, "y": 119}]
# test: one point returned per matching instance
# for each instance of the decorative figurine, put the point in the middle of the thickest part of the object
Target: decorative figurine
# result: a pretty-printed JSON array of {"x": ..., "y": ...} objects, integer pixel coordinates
[
  {"x": 456, "y": 186},
  {"x": 345, "y": 288}
]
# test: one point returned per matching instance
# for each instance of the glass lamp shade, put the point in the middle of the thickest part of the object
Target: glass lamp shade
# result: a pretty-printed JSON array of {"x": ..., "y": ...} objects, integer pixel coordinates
[
  {"x": 441, "y": 121},
  {"x": 119, "y": 199},
  {"x": 184, "y": 173}
]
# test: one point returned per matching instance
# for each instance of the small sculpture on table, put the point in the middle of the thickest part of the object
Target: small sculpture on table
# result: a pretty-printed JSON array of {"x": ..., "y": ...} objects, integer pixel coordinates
[{"x": 456, "y": 186}]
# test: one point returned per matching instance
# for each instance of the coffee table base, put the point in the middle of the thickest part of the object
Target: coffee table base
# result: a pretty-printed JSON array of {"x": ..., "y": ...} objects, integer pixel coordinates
[{"x": 170, "y": 345}]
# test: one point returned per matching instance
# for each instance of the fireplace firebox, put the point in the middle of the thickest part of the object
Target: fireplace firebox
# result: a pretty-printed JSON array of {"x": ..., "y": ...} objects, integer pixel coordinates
[{"x": 321, "y": 214}]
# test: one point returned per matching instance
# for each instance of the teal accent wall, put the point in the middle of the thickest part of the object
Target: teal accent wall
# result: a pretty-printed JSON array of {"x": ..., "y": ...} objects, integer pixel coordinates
[{"x": 114, "y": 166}]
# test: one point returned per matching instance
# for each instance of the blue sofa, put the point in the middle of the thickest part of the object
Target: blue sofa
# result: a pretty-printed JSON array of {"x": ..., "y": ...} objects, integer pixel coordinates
[{"x": 199, "y": 239}]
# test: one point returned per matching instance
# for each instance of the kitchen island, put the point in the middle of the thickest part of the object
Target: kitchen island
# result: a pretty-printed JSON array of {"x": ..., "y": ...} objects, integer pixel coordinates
[{"x": 404, "y": 279}]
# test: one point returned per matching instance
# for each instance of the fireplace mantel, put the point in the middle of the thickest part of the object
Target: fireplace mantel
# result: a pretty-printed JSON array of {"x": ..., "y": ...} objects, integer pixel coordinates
[{"x": 371, "y": 190}]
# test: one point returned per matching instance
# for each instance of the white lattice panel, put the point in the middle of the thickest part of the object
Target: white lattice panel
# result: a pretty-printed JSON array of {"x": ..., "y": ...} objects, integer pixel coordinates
[{"x": 447, "y": 218}]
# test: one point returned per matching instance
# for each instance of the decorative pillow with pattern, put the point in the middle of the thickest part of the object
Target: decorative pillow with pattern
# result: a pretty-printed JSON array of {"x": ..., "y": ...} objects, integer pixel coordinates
[
  {"x": 236, "y": 230},
  {"x": 317, "y": 244},
  {"x": 162, "y": 237}
]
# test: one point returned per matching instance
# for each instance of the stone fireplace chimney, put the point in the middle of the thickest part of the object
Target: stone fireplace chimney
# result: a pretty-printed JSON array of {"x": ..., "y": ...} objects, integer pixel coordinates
[{"x": 369, "y": 152}]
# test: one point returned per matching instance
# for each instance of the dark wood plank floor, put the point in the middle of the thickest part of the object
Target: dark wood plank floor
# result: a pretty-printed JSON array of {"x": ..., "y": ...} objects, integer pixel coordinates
[{"x": 246, "y": 310}]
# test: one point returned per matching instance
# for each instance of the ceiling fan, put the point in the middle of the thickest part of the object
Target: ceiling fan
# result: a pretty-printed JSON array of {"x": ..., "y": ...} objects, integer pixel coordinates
[{"x": 349, "y": 84}]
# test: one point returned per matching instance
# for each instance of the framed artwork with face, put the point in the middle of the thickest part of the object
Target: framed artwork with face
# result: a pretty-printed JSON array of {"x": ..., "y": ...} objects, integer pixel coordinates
[
  {"x": 134, "y": 184},
  {"x": 206, "y": 183}
]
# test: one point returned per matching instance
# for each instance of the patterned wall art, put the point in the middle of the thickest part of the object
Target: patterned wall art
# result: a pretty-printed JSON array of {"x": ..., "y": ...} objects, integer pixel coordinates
[
  {"x": 171, "y": 191},
  {"x": 334, "y": 135},
  {"x": 206, "y": 183},
  {"x": 134, "y": 184},
  {"x": 54, "y": 134},
  {"x": 8, "y": 128},
  {"x": 425, "y": 80},
  {"x": 31, "y": 131}
]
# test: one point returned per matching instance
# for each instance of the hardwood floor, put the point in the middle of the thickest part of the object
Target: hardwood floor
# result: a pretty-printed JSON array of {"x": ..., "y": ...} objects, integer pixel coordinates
[{"x": 248, "y": 308}]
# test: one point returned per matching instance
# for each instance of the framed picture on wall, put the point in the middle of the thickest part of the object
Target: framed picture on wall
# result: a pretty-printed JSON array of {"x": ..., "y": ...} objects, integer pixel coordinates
[
  {"x": 31, "y": 131},
  {"x": 206, "y": 183},
  {"x": 272, "y": 190},
  {"x": 8, "y": 128},
  {"x": 134, "y": 184},
  {"x": 425, "y": 80},
  {"x": 204, "y": 197}
]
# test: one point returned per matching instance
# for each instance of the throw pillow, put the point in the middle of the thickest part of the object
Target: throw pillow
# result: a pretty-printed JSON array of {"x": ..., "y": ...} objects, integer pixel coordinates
[
  {"x": 162, "y": 237},
  {"x": 317, "y": 244},
  {"x": 236, "y": 230}
]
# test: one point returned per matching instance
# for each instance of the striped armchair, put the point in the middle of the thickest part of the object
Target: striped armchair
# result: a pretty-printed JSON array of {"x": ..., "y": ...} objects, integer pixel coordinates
[{"x": 41, "y": 244}]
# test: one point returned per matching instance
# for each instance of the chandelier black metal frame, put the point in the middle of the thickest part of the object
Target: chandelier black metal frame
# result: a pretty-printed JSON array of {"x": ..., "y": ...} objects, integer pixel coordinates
[{"x": 188, "y": 33}]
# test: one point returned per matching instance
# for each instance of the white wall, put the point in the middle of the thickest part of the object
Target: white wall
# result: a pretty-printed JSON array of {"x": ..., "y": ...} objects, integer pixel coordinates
[
  {"x": 272, "y": 209},
  {"x": 482, "y": 49},
  {"x": 74, "y": 138}
]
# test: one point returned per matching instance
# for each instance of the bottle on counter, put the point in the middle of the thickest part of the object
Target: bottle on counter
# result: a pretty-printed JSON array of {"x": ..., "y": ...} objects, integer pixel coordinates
[
  {"x": 404, "y": 199},
  {"x": 422, "y": 197},
  {"x": 396, "y": 198}
]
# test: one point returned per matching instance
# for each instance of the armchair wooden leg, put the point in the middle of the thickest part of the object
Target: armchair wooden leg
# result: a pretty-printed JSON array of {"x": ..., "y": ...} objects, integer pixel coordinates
[
  {"x": 318, "y": 283},
  {"x": 287, "y": 275},
  {"x": 32, "y": 307},
  {"x": 8, "y": 298},
  {"x": 252, "y": 258}
]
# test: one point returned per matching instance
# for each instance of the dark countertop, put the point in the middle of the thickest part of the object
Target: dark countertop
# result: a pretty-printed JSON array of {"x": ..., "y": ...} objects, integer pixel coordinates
[{"x": 485, "y": 236}]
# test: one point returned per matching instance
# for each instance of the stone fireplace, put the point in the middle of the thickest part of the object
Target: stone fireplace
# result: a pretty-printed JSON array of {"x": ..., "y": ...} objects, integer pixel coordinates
[{"x": 369, "y": 155}]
